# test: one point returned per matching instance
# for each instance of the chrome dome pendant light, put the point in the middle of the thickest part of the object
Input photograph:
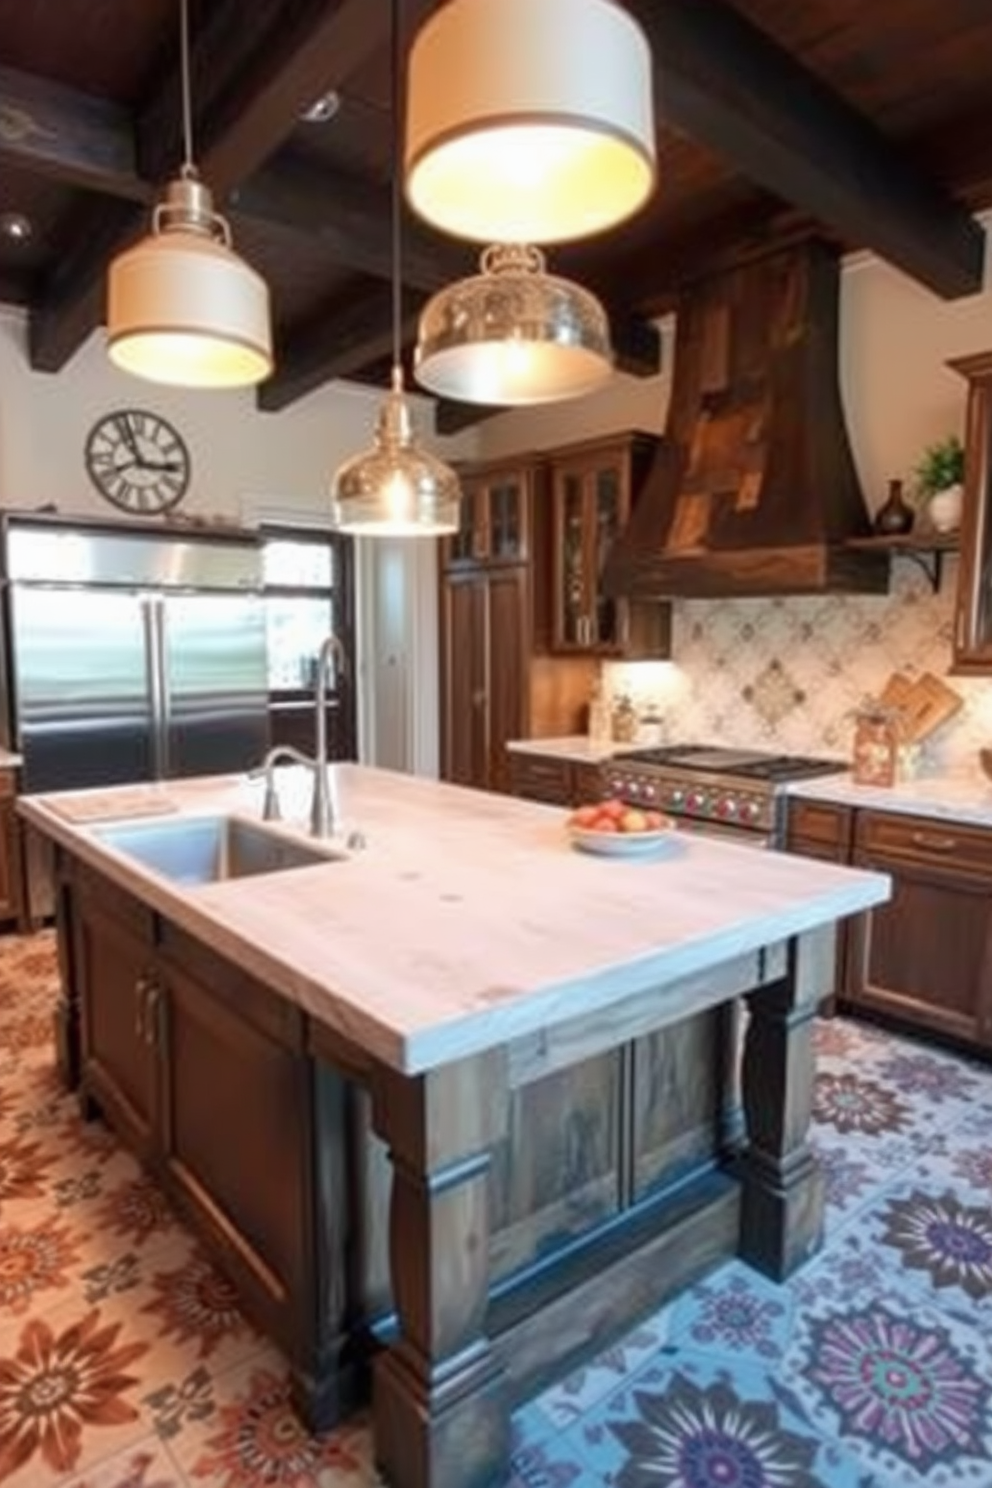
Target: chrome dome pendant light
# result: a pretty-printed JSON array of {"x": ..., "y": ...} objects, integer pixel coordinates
[
  {"x": 182, "y": 307},
  {"x": 529, "y": 121},
  {"x": 513, "y": 334},
  {"x": 395, "y": 489}
]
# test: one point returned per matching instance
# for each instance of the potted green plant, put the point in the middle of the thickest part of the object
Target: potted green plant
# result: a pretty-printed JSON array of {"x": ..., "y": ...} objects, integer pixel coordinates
[{"x": 939, "y": 478}]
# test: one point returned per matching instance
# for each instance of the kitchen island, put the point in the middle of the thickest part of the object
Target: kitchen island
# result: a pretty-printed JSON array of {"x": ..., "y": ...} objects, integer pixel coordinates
[{"x": 462, "y": 1103}]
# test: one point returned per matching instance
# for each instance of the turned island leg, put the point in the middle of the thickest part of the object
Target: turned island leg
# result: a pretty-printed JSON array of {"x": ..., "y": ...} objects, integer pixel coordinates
[
  {"x": 439, "y": 1403},
  {"x": 782, "y": 1200}
]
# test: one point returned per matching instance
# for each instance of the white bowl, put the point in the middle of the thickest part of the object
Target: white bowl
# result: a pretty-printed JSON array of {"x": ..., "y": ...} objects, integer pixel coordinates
[{"x": 625, "y": 844}]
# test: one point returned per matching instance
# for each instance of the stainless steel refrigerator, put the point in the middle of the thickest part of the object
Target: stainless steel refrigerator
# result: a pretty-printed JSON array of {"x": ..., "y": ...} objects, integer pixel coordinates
[{"x": 132, "y": 655}]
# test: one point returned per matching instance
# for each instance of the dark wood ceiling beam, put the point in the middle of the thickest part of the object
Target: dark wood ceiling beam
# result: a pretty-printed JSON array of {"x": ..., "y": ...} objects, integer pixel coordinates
[
  {"x": 351, "y": 218},
  {"x": 346, "y": 339},
  {"x": 69, "y": 136},
  {"x": 251, "y": 83},
  {"x": 730, "y": 87},
  {"x": 72, "y": 301}
]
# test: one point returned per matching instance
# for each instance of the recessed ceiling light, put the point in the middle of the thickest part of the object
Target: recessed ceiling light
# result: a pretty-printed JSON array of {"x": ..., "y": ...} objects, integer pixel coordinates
[
  {"x": 323, "y": 109},
  {"x": 15, "y": 227}
]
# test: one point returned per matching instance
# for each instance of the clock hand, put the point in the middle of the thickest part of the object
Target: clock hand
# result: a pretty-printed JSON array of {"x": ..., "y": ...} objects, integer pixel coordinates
[{"x": 127, "y": 434}]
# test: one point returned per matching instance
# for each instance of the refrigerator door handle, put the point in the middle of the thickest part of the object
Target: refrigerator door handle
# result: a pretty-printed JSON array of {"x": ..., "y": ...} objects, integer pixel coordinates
[{"x": 151, "y": 619}]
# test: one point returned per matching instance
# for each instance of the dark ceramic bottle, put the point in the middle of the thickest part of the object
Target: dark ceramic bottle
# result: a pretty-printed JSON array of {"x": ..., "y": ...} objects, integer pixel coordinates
[{"x": 895, "y": 517}]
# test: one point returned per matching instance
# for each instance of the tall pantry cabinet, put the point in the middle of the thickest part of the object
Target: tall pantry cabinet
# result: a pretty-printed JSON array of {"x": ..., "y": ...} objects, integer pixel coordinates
[{"x": 495, "y": 682}]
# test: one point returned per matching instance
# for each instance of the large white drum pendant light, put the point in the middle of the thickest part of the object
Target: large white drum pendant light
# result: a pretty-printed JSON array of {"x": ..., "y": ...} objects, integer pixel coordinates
[
  {"x": 182, "y": 307},
  {"x": 529, "y": 121}
]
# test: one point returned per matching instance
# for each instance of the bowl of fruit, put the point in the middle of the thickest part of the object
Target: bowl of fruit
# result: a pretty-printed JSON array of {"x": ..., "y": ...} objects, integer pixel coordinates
[{"x": 615, "y": 830}]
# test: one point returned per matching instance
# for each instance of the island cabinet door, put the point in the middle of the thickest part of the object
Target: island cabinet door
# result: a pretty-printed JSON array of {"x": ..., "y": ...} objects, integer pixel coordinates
[
  {"x": 117, "y": 988},
  {"x": 234, "y": 1126},
  {"x": 684, "y": 1099},
  {"x": 557, "y": 1173}
]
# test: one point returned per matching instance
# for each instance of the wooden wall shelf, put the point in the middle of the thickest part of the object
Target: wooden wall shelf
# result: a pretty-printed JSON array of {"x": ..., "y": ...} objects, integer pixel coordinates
[{"x": 926, "y": 549}]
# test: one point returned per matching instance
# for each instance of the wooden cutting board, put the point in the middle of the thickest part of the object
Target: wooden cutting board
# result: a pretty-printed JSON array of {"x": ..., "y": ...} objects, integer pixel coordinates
[{"x": 929, "y": 704}]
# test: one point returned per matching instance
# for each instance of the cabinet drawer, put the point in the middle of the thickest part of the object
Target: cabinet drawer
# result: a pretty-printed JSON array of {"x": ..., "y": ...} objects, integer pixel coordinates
[
  {"x": 819, "y": 829},
  {"x": 925, "y": 839},
  {"x": 541, "y": 778},
  {"x": 587, "y": 784}
]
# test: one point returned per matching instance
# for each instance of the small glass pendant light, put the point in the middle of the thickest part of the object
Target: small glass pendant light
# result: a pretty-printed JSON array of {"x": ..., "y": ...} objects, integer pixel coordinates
[
  {"x": 182, "y": 307},
  {"x": 395, "y": 489}
]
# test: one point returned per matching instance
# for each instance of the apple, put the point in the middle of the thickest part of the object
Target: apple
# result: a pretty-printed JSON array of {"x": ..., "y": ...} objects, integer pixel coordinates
[
  {"x": 633, "y": 821},
  {"x": 585, "y": 816}
]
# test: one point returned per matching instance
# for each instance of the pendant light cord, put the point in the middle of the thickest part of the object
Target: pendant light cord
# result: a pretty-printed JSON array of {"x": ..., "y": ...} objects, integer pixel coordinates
[
  {"x": 395, "y": 197},
  {"x": 188, "y": 168}
]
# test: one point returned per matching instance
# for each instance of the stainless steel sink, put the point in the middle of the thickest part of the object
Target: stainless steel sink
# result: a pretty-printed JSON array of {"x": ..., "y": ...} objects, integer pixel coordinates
[{"x": 208, "y": 849}]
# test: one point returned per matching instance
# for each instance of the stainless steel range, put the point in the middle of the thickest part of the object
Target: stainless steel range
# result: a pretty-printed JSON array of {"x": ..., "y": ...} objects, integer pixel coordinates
[{"x": 730, "y": 792}]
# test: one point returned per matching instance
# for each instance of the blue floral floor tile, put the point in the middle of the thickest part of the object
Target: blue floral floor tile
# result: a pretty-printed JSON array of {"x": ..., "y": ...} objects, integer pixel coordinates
[
  {"x": 734, "y": 1312},
  {"x": 688, "y": 1421},
  {"x": 907, "y": 1387}
]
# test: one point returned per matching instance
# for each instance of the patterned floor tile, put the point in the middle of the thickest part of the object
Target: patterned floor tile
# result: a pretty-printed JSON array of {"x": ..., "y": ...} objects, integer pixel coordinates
[
  {"x": 907, "y": 1387},
  {"x": 246, "y": 1434},
  {"x": 735, "y": 1312},
  {"x": 69, "y": 1385},
  {"x": 694, "y": 1422},
  {"x": 147, "y": 1464}
]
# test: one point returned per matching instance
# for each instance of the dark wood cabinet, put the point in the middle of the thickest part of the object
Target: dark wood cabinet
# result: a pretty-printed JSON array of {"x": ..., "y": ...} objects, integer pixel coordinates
[
  {"x": 486, "y": 638},
  {"x": 557, "y": 781},
  {"x": 205, "y": 1074},
  {"x": 11, "y": 856},
  {"x": 593, "y": 488},
  {"x": 925, "y": 957},
  {"x": 113, "y": 957},
  {"x": 820, "y": 829},
  {"x": 497, "y": 681},
  {"x": 973, "y": 618}
]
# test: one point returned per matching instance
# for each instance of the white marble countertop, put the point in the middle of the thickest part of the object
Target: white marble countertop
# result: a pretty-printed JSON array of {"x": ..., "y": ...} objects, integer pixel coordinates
[
  {"x": 964, "y": 798},
  {"x": 578, "y": 747},
  {"x": 467, "y": 920}
]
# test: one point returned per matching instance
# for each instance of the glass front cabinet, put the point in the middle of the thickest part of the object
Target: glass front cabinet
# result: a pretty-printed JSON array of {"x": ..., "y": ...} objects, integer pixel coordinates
[
  {"x": 495, "y": 516},
  {"x": 592, "y": 490},
  {"x": 973, "y": 619}
]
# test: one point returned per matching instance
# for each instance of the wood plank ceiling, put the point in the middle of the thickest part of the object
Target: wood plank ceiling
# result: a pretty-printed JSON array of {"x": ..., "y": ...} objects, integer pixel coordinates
[{"x": 869, "y": 124}]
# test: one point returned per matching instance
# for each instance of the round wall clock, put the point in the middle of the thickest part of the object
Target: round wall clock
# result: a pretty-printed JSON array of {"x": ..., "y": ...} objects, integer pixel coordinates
[{"x": 138, "y": 461}]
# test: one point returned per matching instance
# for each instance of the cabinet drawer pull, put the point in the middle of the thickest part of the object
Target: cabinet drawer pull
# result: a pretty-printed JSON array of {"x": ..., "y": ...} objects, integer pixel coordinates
[
  {"x": 151, "y": 1022},
  {"x": 936, "y": 844}
]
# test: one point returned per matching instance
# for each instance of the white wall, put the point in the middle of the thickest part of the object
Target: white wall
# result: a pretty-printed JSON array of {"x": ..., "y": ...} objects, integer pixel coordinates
[{"x": 246, "y": 466}]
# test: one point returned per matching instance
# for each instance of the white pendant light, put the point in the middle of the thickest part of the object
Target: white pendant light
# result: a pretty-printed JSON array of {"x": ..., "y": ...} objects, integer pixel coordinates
[
  {"x": 395, "y": 489},
  {"x": 513, "y": 334},
  {"x": 529, "y": 121},
  {"x": 182, "y": 307}
]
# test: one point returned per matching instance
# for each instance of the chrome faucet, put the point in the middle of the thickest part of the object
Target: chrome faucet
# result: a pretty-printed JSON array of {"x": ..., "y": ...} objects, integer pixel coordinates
[
  {"x": 271, "y": 810},
  {"x": 324, "y": 810}
]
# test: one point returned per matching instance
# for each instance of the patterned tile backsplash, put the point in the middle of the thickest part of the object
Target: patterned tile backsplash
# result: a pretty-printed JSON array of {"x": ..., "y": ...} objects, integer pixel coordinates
[{"x": 790, "y": 673}]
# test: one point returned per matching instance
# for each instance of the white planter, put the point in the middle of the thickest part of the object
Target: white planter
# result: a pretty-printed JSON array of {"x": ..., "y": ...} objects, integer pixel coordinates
[{"x": 944, "y": 509}]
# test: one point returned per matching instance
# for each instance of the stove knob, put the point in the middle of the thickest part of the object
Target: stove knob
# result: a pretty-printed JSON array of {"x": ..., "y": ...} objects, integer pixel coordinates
[
  {"x": 633, "y": 788},
  {"x": 727, "y": 808},
  {"x": 696, "y": 801},
  {"x": 649, "y": 793},
  {"x": 676, "y": 796},
  {"x": 750, "y": 811},
  {"x": 616, "y": 785}
]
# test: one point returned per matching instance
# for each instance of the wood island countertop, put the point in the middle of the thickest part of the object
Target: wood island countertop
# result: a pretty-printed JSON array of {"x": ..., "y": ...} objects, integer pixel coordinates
[{"x": 466, "y": 920}]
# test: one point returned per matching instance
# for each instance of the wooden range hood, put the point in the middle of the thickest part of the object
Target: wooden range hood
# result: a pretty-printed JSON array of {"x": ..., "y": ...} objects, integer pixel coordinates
[{"x": 753, "y": 490}]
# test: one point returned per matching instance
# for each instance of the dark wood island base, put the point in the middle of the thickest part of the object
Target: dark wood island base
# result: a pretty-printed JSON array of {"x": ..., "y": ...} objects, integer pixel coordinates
[{"x": 462, "y": 1235}]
